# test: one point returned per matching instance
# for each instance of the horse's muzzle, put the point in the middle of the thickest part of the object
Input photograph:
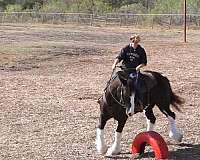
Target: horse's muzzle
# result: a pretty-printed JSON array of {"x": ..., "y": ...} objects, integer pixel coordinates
[
  {"x": 129, "y": 110},
  {"x": 130, "y": 114}
]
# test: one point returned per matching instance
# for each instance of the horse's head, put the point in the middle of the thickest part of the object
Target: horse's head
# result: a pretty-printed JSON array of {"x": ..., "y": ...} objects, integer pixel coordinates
[{"x": 128, "y": 90}]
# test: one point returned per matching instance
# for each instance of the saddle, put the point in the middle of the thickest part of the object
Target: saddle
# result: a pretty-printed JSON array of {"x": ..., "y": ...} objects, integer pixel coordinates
[{"x": 146, "y": 80}]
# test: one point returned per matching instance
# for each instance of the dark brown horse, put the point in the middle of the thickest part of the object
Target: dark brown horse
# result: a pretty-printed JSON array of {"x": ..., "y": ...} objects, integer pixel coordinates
[{"x": 118, "y": 102}]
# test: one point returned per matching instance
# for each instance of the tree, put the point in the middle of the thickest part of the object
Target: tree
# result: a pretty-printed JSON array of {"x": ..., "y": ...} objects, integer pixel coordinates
[
  {"x": 30, "y": 4},
  {"x": 167, "y": 6},
  {"x": 114, "y": 3},
  {"x": 193, "y": 6},
  {"x": 4, "y": 3}
]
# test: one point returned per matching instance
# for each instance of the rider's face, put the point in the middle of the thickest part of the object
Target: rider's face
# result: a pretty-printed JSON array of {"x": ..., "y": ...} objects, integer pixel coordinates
[{"x": 136, "y": 40}]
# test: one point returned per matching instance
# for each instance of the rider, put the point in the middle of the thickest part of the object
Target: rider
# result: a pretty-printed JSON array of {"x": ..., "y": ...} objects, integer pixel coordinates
[{"x": 133, "y": 58}]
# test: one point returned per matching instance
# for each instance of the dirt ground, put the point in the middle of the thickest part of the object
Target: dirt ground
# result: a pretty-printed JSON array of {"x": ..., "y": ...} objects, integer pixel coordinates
[{"x": 52, "y": 75}]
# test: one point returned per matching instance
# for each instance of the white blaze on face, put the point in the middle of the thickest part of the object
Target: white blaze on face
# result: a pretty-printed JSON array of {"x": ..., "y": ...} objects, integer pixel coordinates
[{"x": 130, "y": 111}]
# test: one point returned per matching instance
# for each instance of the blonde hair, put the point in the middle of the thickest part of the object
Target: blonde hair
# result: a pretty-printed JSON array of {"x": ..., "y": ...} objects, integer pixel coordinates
[{"x": 134, "y": 37}]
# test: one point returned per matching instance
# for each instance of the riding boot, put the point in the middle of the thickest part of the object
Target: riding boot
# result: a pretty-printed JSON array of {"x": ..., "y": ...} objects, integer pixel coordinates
[{"x": 138, "y": 97}]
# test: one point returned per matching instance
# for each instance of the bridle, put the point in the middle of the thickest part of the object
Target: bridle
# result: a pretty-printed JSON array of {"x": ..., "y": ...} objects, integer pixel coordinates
[{"x": 121, "y": 102}]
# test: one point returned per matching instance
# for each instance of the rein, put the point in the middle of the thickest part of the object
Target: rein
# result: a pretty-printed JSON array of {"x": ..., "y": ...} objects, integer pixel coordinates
[
  {"x": 119, "y": 102},
  {"x": 109, "y": 89},
  {"x": 121, "y": 92}
]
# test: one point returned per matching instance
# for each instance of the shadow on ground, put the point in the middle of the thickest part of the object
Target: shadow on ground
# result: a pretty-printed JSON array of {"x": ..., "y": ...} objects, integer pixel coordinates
[{"x": 189, "y": 151}]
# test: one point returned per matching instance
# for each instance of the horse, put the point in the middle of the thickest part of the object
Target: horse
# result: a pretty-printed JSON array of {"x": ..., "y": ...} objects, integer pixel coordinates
[{"x": 118, "y": 102}]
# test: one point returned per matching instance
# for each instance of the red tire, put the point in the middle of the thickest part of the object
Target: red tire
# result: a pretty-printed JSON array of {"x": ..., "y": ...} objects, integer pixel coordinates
[{"x": 155, "y": 140}]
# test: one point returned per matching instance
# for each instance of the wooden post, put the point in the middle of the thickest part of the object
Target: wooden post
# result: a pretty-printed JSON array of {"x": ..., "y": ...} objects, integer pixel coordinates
[
  {"x": 152, "y": 21},
  {"x": 120, "y": 23},
  {"x": 106, "y": 19},
  {"x": 91, "y": 19},
  {"x": 185, "y": 21},
  {"x": 22, "y": 17}
]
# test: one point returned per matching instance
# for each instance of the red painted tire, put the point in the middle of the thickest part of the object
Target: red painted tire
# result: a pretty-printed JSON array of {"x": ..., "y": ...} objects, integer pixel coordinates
[{"x": 155, "y": 140}]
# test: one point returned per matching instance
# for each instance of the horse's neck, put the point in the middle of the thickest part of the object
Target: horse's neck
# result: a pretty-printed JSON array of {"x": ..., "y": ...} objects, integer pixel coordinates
[{"x": 113, "y": 88}]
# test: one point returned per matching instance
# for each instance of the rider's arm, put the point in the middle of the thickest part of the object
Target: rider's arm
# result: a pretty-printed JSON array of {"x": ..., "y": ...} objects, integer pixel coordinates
[
  {"x": 120, "y": 57},
  {"x": 143, "y": 60}
]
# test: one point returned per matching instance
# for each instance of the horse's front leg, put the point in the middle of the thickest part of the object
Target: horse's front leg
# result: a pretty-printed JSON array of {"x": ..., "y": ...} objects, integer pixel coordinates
[
  {"x": 116, "y": 146},
  {"x": 151, "y": 119},
  {"x": 100, "y": 139}
]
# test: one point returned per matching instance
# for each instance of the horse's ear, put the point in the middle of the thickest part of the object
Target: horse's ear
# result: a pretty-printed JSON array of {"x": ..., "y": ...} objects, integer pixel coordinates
[{"x": 123, "y": 77}]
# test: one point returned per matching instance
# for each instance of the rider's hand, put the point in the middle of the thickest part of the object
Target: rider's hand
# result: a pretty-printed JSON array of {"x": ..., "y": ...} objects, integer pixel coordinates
[
  {"x": 113, "y": 66},
  {"x": 115, "y": 63},
  {"x": 137, "y": 69}
]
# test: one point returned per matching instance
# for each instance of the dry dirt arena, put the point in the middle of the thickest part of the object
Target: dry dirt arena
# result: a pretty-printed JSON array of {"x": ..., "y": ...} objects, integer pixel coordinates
[{"x": 52, "y": 75}]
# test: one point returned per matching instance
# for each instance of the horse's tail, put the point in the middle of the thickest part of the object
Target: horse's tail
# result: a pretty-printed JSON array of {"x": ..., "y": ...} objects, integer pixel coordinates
[{"x": 176, "y": 101}]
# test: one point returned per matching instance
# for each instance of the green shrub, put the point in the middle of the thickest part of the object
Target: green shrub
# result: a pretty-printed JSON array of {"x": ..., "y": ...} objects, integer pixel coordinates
[
  {"x": 13, "y": 8},
  {"x": 55, "y": 6},
  {"x": 168, "y": 6},
  {"x": 133, "y": 8}
]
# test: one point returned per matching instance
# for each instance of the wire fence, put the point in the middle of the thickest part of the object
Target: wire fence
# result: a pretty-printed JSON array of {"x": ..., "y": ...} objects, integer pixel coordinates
[{"x": 143, "y": 20}]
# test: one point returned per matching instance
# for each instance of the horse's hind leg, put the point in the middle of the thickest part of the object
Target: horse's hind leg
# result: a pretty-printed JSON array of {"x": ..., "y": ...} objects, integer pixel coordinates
[
  {"x": 116, "y": 147},
  {"x": 100, "y": 140},
  {"x": 174, "y": 131}
]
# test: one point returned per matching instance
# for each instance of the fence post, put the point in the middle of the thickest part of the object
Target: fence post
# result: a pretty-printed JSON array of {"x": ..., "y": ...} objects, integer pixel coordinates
[
  {"x": 189, "y": 21},
  {"x": 137, "y": 21},
  {"x": 1, "y": 17},
  {"x": 120, "y": 19},
  {"x": 185, "y": 21},
  {"x": 22, "y": 15},
  {"x": 106, "y": 18},
  {"x": 78, "y": 18},
  {"x": 53, "y": 19},
  {"x": 170, "y": 21},
  {"x": 44, "y": 17},
  {"x": 152, "y": 21},
  {"x": 91, "y": 19},
  {"x": 198, "y": 21}
]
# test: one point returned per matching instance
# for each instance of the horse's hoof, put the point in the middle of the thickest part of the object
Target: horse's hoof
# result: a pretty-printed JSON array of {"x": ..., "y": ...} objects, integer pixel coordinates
[
  {"x": 176, "y": 136},
  {"x": 112, "y": 151},
  {"x": 102, "y": 151}
]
